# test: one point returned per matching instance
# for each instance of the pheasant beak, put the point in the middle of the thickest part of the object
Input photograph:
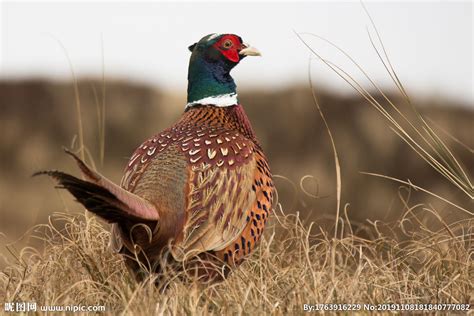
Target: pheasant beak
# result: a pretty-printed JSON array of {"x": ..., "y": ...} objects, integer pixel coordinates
[{"x": 248, "y": 50}]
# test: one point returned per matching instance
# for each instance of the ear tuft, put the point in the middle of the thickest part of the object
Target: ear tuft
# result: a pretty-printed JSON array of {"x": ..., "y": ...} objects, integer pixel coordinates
[{"x": 191, "y": 48}]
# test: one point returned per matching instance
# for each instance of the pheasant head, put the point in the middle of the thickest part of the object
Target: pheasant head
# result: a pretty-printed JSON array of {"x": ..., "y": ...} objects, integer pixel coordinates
[{"x": 212, "y": 59}]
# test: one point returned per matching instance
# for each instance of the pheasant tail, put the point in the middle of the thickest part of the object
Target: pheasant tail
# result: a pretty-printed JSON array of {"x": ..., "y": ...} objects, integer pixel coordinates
[{"x": 102, "y": 197}]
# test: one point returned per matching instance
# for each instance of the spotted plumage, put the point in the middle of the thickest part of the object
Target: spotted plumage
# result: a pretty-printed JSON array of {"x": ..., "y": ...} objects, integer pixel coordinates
[{"x": 201, "y": 188}]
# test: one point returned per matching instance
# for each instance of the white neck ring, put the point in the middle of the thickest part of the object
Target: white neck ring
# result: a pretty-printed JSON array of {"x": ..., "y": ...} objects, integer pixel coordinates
[{"x": 221, "y": 100}]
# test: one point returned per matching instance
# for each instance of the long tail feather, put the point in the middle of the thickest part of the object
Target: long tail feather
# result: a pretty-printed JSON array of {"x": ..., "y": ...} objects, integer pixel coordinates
[{"x": 102, "y": 197}]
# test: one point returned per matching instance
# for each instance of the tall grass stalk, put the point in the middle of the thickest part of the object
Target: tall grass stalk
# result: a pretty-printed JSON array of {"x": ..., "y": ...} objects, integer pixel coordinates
[
  {"x": 417, "y": 134},
  {"x": 80, "y": 128}
]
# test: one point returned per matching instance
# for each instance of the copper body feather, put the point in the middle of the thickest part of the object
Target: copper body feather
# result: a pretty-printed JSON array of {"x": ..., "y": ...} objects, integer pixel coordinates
[
  {"x": 200, "y": 189},
  {"x": 210, "y": 182}
]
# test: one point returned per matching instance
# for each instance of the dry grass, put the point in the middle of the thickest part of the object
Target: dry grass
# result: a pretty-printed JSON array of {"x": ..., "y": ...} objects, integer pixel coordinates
[
  {"x": 416, "y": 133},
  {"x": 294, "y": 265}
]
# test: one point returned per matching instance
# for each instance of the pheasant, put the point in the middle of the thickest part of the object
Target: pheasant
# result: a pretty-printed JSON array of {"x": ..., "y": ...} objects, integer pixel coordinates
[{"x": 201, "y": 188}]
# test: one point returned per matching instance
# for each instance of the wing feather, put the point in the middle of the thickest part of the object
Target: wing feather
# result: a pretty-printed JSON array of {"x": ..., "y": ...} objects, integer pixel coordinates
[{"x": 219, "y": 199}]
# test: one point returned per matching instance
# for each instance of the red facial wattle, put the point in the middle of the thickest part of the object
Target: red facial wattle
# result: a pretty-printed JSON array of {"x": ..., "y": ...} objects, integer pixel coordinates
[{"x": 231, "y": 53}]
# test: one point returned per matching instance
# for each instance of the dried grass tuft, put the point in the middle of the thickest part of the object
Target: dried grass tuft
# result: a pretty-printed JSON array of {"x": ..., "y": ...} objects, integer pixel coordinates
[{"x": 295, "y": 264}]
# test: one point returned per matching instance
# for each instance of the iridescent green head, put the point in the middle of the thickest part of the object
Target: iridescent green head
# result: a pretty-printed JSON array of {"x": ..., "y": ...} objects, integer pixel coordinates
[{"x": 212, "y": 59}]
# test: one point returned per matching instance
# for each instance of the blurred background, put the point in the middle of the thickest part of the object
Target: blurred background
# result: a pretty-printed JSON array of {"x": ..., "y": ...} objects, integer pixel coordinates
[{"x": 133, "y": 58}]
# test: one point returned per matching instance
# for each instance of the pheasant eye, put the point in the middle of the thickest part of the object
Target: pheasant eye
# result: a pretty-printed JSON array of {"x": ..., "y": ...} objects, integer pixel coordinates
[{"x": 227, "y": 44}]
